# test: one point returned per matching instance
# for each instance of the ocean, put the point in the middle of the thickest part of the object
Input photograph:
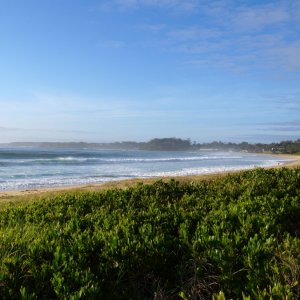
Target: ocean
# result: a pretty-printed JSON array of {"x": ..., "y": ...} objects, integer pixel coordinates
[{"x": 32, "y": 168}]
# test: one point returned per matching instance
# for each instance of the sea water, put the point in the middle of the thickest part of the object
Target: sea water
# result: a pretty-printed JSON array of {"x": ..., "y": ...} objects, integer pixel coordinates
[{"x": 31, "y": 168}]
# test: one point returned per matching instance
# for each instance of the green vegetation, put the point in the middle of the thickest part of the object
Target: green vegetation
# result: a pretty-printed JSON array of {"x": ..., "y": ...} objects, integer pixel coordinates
[
  {"x": 284, "y": 147},
  {"x": 167, "y": 144},
  {"x": 236, "y": 237}
]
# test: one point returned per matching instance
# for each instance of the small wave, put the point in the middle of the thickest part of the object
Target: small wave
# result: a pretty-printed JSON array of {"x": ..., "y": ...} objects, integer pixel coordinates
[
  {"x": 74, "y": 159},
  {"x": 53, "y": 182},
  {"x": 197, "y": 171},
  {"x": 275, "y": 162},
  {"x": 71, "y": 158},
  {"x": 120, "y": 160},
  {"x": 63, "y": 159},
  {"x": 167, "y": 159},
  {"x": 48, "y": 160},
  {"x": 75, "y": 168}
]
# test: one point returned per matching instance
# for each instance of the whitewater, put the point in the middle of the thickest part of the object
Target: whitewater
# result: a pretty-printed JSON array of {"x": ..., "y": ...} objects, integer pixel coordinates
[{"x": 31, "y": 168}]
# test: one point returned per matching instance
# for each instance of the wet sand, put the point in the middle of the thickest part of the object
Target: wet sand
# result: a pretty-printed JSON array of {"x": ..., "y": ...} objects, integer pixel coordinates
[{"x": 11, "y": 195}]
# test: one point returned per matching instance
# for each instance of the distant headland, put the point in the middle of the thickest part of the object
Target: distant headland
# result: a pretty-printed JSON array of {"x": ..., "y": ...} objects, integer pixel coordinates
[{"x": 170, "y": 144}]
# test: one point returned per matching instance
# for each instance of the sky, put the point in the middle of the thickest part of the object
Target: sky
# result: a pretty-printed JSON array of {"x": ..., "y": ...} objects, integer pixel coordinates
[{"x": 133, "y": 70}]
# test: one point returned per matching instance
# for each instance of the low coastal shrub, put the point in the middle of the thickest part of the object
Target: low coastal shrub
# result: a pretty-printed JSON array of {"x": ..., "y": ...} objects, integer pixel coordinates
[{"x": 234, "y": 237}]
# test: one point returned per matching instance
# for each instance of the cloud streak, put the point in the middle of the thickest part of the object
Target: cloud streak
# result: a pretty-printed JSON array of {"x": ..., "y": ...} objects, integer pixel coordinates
[
  {"x": 246, "y": 39},
  {"x": 2, "y": 128},
  {"x": 173, "y": 5},
  {"x": 236, "y": 37},
  {"x": 259, "y": 17}
]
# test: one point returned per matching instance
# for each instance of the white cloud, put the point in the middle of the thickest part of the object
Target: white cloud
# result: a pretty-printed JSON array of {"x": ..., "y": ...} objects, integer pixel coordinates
[
  {"x": 154, "y": 28},
  {"x": 288, "y": 55},
  {"x": 244, "y": 38},
  {"x": 3, "y": 128},
  {"x": 257, "y": 18},
  {"x": 111, "y": 44},
  {"x": 174, "y": 5},
  {"x": 263, "y": 37},
  {"x": 195, "y": 33},
  {"x": 127, "y": 4},
  {"x": 287, "y": 103},
  {"x": 287, "y": 127}
]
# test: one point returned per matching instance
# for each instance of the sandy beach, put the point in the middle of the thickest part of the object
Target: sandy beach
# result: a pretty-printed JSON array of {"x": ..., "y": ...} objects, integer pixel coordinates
[{"x": 34, "y": 193}]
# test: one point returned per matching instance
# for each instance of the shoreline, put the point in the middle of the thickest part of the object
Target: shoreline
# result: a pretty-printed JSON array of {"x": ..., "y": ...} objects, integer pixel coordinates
[{"x": 6, "y": 195}]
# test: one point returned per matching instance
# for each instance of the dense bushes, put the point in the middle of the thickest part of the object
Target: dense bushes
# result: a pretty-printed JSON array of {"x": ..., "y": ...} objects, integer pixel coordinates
[{"x": 237, "y": 236}]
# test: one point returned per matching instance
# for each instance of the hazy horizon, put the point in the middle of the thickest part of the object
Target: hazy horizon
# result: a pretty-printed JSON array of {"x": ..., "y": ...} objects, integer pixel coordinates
[
  {"x": 133, "y": 70},
  {"x": 192, "y": 142}
]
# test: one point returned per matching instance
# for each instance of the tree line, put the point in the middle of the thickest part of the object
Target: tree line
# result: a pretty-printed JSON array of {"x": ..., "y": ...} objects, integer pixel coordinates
[{"x": 173, "y": 144}]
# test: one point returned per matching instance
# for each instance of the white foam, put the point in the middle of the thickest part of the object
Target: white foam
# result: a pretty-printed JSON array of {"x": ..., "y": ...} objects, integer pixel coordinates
[
  {"x": 121, "y": 159},
  {"x": 196, "y": 171},
  {"x": 191, "y": 158},
  {"x": 67, "y": 169},
  {"x": 51, "y": 182}
]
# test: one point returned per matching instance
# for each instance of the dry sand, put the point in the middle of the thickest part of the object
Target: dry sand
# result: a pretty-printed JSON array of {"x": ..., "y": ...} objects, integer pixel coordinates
[{"x": 9, "y": 196}]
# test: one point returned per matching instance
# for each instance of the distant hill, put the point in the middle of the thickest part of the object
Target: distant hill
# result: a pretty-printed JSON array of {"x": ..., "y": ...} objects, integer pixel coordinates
[{"x": 171, "y": 144}]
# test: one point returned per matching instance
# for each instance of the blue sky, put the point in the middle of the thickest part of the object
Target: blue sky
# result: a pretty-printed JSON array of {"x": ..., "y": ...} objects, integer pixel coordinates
[{"x": 101, "y": 71}]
